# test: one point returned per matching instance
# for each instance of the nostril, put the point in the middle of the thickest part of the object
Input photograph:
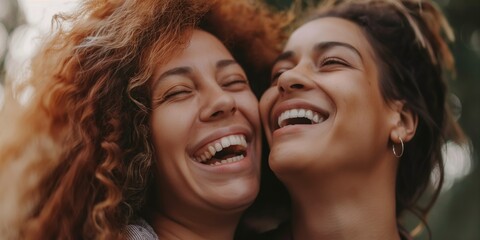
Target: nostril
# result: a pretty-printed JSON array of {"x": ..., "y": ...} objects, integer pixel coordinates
[
  {"x": 216, "y": 114},
  {"x": 296, "y": 86},
  {"x": 221, "y": 112}
]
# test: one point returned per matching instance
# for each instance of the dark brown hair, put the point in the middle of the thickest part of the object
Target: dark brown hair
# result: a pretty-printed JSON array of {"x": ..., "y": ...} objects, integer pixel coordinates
[{"x": 409, "y": 38}]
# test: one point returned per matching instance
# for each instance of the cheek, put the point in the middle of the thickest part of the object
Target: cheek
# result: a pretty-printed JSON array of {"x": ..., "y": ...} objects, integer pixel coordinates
[
  {"x": 354, "y": 113},
  {"x": 169, "y": 129},
  {"x": 361, "y": 122},
  {"x": 248, "y": 104},
  {"x": 266, "y": 104}
]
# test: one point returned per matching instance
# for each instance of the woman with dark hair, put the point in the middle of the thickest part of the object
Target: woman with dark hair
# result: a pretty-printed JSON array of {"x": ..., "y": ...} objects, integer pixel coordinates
[
  {"x": 142, "y": 123},
  {"x": 356, "y": 116}
]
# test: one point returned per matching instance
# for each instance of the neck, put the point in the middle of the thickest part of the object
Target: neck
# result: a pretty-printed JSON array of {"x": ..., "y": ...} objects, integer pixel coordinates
[
  {"x": 345, "y": 206},
  {"x": 199, "y": 227}
]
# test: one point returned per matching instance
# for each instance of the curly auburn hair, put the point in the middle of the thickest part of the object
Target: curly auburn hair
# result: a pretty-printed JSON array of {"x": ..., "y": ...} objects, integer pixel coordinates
[
  {"x": 76, "y": 159},
  {"x": 410, "y": 40}
]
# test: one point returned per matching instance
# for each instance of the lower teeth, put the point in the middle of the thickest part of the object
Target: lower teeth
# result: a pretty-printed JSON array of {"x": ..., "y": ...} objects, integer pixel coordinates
[{"x": 228, "y": 160}]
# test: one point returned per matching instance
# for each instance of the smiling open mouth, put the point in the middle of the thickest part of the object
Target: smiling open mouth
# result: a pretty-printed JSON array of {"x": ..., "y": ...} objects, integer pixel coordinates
[
  {"x": 300, "y": 116},
  {"x": 228, "y": 149}
]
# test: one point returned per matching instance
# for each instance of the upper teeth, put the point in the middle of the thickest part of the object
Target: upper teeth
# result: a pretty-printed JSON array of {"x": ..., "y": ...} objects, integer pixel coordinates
[
  {"x": 219, "y": 145},
  {"x": 299, "y": 113}
]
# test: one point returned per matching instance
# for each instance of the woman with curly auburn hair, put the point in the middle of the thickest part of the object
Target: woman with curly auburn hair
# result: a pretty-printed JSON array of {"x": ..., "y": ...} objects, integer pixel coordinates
[
  {"x": 356, "y": 116},
  {"x": 142, "y": 123}
]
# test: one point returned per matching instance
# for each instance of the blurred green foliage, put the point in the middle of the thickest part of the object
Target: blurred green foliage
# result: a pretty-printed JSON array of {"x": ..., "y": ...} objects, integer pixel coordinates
[{"x": 457, "y": 212}]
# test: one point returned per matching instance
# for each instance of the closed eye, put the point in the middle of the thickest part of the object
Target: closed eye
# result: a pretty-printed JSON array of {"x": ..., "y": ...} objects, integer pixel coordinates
[
  {"x": 176, "y": 93},
  {"x": 235, "y": 84},
  {"x": 239, "y": 81},
  {"x": 333, "y": 61}
]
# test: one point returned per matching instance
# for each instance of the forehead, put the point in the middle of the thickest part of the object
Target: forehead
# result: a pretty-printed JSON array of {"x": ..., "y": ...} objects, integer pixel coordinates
[
  {"x": 329, "y": 29},
  {"x": 205, "y": 45},
  {"x": 202, "y": 51}
]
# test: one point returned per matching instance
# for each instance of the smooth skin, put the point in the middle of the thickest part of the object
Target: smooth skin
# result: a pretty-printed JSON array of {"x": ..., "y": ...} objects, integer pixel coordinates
[
  {"x": 201, "y": 96},
  {"x": 340, "y": 171}
]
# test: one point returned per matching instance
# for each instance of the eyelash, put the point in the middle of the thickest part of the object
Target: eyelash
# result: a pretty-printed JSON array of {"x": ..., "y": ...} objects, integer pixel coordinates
[
  {"x": 173, "y": 93},
  {"x": 169, "y": 95},
  {"x": 235, "y": 84},
  {"x": 236, "y": 81},
  {"x": 323, "y": 62},
  {"x": 183, "y": 90},
  {"x": 332, "y": 60}
]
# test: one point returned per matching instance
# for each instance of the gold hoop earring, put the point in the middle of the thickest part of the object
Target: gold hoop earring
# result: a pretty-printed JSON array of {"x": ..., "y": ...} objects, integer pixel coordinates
[{"x": 395, "y": 152}]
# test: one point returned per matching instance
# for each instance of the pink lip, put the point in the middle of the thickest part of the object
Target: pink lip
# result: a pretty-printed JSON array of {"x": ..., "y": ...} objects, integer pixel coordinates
[
  {"x": 279, "y": 109},
  {"x": 219, "y": 133},
  {"x": 291, "y": 129}
]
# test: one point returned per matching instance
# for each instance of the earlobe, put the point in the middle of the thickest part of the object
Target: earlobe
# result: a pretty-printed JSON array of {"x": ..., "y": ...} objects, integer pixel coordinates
[{"x": 406, "y": 123}]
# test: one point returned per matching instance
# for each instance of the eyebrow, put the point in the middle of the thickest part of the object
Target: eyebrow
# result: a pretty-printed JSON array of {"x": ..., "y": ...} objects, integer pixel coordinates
[
  {"x": 323, "y": 46},
  {"x": 184, "y": 70},
  {"x": 174, "y": 71},
  {"x": 283, "y": 56},
  {"x": 319, "y": 47},
  {"x": 224, "y": 63}
]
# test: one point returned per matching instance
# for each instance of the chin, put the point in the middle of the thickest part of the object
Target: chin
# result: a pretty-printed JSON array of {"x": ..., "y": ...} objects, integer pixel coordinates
[
  {"x": 238, "y": 197},
  {"x": 285, "y": 160}
]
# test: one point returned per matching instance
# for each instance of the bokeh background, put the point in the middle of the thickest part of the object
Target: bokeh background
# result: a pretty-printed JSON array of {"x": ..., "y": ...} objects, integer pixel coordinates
[{"x": 457, "y": 212}]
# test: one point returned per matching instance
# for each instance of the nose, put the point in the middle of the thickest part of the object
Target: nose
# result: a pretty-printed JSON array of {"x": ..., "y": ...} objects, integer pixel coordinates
[
  {"x": 293, "y": 80},
  {"x": 218, "y": 104}
]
